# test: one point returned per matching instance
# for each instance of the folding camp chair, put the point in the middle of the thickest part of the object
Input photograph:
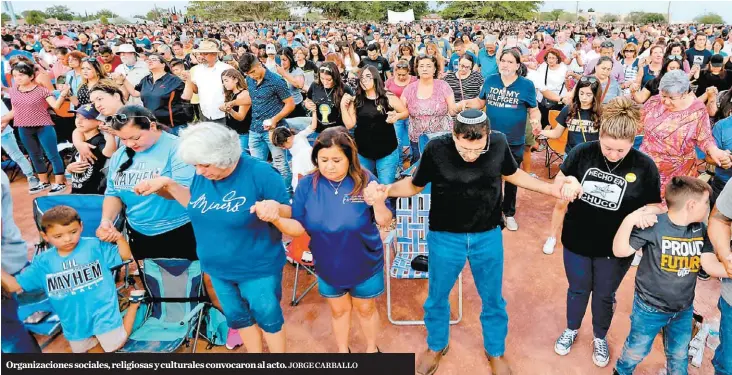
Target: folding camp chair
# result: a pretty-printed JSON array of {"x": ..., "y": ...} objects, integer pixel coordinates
[
  {"x": 295, "y": 250},
  {"x": 408, "y": 240},
  {"x": 34, "y": 308},
  {"x": 172, "y": 311},
  {"x": 555, "y": 148}
]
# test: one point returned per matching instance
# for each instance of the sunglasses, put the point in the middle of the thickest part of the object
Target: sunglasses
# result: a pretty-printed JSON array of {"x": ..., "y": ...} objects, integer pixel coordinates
[
  {"x": 591, "y": 80},
  {"x": 607, "y": 44},
  {"x": 629, "y": 50},
  {"x": 402, "y": 64},
  {"x": 122, "y": 118},
  {"x": 89, "y": 59},
  {"x": 674, "y": 57}
]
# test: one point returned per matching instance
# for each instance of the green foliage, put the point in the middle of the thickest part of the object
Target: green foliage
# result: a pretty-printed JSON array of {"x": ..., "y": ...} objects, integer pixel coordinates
[
  {"x": 591, "y": 10},
  {"x": 60, "y": 12},
  {"x": 710, "y": 19},
  {"x": 555, "y": 14},
  {"x": 34, "y": 17},
  {"x": 644, "y": 18},
  {"x": 367, "y": 11},
  {"x": 491, "y": 10},
  {"x": 153, "y": 15},
  {"x": 581, "y": 19},
  {"x": 103, "y": 19},
  {"x": 5, "y": 17},
  {"x": 609, "y": 18},
  {"x": 106, "y": 13},
  {"x": 238, "y": 11}
]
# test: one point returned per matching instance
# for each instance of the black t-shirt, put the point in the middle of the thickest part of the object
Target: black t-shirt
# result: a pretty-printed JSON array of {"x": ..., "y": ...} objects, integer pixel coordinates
[
  {"x": 652, "y": 86},
  {"x": 581, "y": 129},
  {"x": 381, "y": 64},
  {"x": 92, "y": 181},
  {"x": 329, "y": 112},
  {"x": 592, "y": 220},
  {"x": 666, "y": 276},
  {"x": 375, "y": 137},
  {"x": 696, "y": 57},
  {"x": 707, "y": 79},
  {"x": 466, "y": 197}
]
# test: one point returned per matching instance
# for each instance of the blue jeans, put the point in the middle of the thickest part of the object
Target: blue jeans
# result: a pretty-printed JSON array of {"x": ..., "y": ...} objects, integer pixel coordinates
[
  {"x": 402, "y": 133},
  {"x": 645, "y": 322},
  {"x": 15, "y": 337},
  {"x": 723, "y": 357},
  {"x": 244, "y": 141},
  {"x": 447, "y": 255},
  {"x": 384, "y": 168},
  {"x": 250, "y": 302},
  {"x": 10, "y": 146},
  {"x": 260, "y": 145},
  {"x": 369, "y": 288},
  {"x": 598, "y": 276},
  {"x": 42, "y": 137}
]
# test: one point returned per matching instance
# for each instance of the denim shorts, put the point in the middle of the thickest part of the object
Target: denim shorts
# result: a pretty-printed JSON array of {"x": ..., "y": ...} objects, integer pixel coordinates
[
  {"x": 250, "y": 302},
  {"x": 369, "y": 288}
]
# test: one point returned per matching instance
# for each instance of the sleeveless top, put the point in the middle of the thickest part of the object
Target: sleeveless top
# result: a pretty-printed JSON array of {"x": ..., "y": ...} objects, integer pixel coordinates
[{"x": 241, "y": 127}]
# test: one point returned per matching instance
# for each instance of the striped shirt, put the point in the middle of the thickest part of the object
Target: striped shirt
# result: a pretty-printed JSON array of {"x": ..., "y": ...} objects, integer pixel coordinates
[
  {"x": 467, "y": 88},
  {"x": 30, "y": 108}
]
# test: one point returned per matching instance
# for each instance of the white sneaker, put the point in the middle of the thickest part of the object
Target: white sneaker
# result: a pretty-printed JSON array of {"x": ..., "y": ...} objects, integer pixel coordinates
[
  {"x": 563, "y": 345},
  {"x": 511, "y": 224},
  {"x": 637, "y": 259},
  {"x": 549, "y": 245},
  {"x": 600, "y": 352}
]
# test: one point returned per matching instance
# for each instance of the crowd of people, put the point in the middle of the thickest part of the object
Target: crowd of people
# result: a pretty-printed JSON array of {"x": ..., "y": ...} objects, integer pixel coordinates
[{"x": 259, "y": 133}]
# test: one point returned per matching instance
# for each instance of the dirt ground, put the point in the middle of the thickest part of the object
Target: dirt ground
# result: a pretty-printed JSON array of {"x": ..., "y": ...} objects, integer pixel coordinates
[{"x": 534, "y": 287}]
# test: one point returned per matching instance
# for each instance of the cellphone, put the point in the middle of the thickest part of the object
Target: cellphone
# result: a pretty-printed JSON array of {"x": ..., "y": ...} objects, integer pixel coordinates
[{"x": 61, "y": 80}]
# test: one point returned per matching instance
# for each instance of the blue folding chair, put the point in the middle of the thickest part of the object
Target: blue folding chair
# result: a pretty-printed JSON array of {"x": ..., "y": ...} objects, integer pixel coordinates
[
  {"x": 407, "y": 241},
  {"x": 172, "y": 311},
  {"x": 34, "y": 308}
]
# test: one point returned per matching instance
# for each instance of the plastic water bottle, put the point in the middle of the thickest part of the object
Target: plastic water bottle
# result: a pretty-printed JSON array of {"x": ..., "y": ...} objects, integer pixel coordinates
[{"x": 713, "y": 338}]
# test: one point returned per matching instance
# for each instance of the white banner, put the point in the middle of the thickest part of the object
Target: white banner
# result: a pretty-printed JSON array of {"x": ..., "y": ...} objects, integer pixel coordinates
[{"x": 396, "y": 17}]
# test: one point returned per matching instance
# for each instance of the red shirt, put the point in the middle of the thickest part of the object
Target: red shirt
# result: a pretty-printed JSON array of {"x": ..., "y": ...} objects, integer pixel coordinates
[
  {"x": 110, "y": 67},
  {"x": 30, "y": 108}
]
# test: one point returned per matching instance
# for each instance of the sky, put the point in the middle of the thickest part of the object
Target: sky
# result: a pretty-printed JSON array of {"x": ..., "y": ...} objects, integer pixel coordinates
[{"x": 680, "y": 10}]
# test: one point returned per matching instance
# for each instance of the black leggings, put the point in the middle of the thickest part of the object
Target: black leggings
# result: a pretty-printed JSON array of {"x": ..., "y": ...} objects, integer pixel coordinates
[{"x": 177, "y": 243}]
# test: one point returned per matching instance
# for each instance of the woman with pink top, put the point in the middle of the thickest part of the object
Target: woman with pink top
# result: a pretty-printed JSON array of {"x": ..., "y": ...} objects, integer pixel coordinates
[{"x": 430, "y": 102}]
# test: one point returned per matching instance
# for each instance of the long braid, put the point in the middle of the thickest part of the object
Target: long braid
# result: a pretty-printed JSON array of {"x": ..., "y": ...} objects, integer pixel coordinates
[{"x": 130, "y": 155}]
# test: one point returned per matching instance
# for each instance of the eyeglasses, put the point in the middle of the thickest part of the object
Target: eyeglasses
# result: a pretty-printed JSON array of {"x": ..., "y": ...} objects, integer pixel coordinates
[
  {"x": 465, "y": 66},
  {"x": 122, "y": 118},
  {"x": 366, "y": 78},
  {"x": 629, "y": 50},
  {"x": 466, "y": 152}
]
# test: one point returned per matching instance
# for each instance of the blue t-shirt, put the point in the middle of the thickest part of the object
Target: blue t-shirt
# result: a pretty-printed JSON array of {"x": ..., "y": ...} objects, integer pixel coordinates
[
  {"x": 507, "y": 109},
  {"x": 444, "y": 46},
  {"x": 455, "y": 60},
  {"x": 722, "y": 132},
  {"x": 153, "y": 214},
  {"x": 79, "y": 286},
  {"x": 145, "y": 41},
  {"x": 488, "y": 63},
  {"x": 225, "y": 229},
  {"x": 344, "y": 239}
]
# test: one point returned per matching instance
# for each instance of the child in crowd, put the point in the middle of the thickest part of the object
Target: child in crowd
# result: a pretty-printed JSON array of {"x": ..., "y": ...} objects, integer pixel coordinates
[
  {"x": 89, "y": 178},
  {"x": 676, "y": 246},
  {"x": 299, "y": 147},
  {"x": 75, "y": 275}
]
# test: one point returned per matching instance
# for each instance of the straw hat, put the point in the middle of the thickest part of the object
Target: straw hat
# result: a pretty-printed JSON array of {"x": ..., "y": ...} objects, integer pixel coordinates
[{"x": 207, "y": 46}]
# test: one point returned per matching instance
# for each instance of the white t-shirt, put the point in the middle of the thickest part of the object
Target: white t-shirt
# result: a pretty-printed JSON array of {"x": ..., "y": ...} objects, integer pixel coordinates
[
  {"x": 210, "y": 88},
  {"x": 554, "y": 80},
  {"x": 301, "y": 152}
]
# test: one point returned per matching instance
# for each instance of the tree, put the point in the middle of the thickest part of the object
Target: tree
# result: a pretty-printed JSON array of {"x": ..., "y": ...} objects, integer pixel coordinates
[
  {"x": 644, "y": 18},
  {"x": 555, "y": 14},
  {"x": 5, "y": 18},
  {"x": 610, "y": 18},
  {"x": 26, "y": 13},
  {"x": 60, "y": 12},
  {"x": 710, "y": 19},
  {"x": 152, "y": 15},
  {"x": 236, "y": 11},
  {"x": 103, "y": 19},
  {"x": 590, "y": 10},
  {"x": 34, "y": 17},
  {"x": 491, "y": 10},
  {"x": 367, "y": 11},
  {"x": 106, "y": 13}
]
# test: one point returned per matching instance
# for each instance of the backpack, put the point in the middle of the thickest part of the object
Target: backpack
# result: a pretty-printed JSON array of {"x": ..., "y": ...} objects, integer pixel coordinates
[{"x": 214, "y": 328}]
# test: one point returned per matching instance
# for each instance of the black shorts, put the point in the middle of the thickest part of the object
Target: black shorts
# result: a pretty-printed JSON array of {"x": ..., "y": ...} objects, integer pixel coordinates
[{"x": 177, "y": 243}]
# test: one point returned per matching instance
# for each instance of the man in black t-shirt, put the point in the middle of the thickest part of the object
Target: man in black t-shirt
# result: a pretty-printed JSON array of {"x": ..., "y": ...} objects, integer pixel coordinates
[
  {"x": 466, "y": 170},
  {"x": 375, "y": 59}
]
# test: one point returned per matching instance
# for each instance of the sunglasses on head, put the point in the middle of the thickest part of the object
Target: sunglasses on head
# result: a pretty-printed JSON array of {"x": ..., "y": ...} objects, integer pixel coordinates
[
  {"x": 607, "y": 44},
  {"x": 325, "y": 69},
  {"x": 122, "y": 118},
  {"x": 89, "y": 59},
  {"x": 590, "y": 79},
  {"x": 674, "y": 57}
]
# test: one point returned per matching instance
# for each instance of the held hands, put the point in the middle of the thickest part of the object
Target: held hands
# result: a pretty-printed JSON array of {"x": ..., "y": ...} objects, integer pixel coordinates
[
  {"x": 151, "y": 186},
  {"x": 267, "y": 211},
  {"x": 721, "y": 158},
  {"x": 310, "y": 105},
  {"x": 375, "y": 193},
  {"x": 347, "y": 100},
  {"x": 391, "y": 117},
  {"x": 728, "y": 265},
  {"x": 569, "y": 190},
  {"x": 643, "y": 219},
  {"x": 78, "y": 167},
  {"x": 107, "y": 232}
]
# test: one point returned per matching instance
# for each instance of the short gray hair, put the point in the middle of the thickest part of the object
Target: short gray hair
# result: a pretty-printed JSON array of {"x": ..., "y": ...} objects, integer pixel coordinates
[
  {"x": 211, "y": 144},
  {"x": 674, "y": 82}
]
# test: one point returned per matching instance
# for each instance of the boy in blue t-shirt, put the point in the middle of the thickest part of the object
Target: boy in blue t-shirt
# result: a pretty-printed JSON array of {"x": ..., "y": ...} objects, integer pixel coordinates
[
  {"x": 75, "y": 275},
  {"x": 676, "y": 247}
]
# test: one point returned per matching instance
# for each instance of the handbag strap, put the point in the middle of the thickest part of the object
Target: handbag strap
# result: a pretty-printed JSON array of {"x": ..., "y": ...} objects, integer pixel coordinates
[{"x": 604, "y": 92}]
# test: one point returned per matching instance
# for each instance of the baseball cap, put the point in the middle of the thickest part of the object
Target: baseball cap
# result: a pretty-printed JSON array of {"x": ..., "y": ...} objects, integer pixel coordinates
[
  {"x": 717, "y": 61},
  {"x": 87, "y": 111}
]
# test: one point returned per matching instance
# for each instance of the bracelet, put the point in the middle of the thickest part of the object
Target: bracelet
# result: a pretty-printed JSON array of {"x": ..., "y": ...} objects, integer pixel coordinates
[{"x": 388, "y": 228}]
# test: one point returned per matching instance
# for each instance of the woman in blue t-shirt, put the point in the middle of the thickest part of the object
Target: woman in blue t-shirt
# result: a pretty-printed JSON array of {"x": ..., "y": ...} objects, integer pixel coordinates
[
  {"x": 344, "y": 238},
  {"x": 230, "y": 202},
  {"x": 581, "y": 119}
]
